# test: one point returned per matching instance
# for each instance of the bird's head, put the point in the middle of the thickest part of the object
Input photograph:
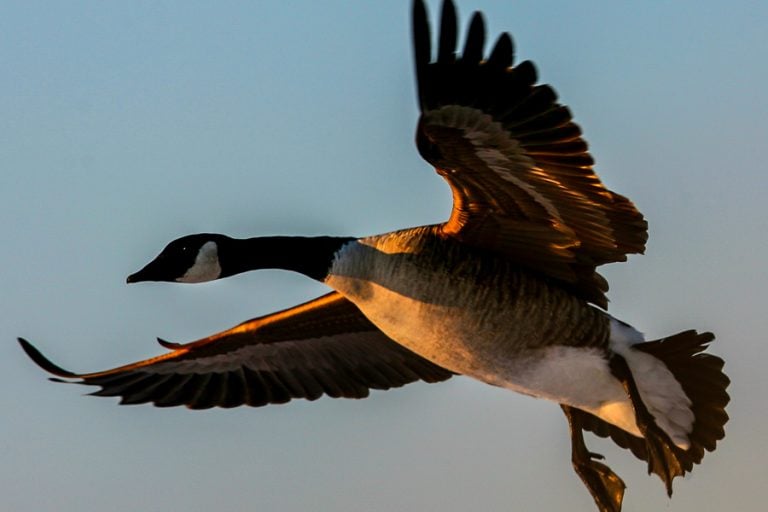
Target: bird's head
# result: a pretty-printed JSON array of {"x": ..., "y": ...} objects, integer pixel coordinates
[{"x": 189, "y": 259}]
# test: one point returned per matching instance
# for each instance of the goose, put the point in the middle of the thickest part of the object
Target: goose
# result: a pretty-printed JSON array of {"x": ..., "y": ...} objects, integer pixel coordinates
[{"x": 506, "y": 291}]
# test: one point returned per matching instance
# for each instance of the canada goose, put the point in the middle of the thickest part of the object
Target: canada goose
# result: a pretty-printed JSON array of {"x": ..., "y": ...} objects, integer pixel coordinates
[{"x": 506, "y": 291}]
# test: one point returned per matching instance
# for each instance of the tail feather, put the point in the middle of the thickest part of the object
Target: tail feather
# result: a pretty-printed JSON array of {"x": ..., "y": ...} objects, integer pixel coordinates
[
  {"x": 703, "y": 381},
  {"x": 700, "y": 378}
]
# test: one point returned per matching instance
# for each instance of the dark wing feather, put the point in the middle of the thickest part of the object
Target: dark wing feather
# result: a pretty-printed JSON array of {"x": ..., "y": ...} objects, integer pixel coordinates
[
  {"x": 323, "y": 347},
  {"x": 521, "y": 176}
]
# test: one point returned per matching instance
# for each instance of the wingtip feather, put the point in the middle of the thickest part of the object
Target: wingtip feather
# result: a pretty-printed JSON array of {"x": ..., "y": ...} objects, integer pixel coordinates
[
  {"x": 475, "y": 42},
  {"x": 168, "y": 344},
  {"x": 43, "y": 362},
  {"x": 449, "y": 29},
  {"x": 502, "y": 55}
]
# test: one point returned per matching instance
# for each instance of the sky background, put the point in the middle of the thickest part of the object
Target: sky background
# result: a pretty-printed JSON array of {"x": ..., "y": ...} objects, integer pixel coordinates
[{"x": 125, "y": 125}]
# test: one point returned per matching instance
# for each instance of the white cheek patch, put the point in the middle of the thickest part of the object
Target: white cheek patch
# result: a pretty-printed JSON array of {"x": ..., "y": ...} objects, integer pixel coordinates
[{"x": 206, "y": 266}]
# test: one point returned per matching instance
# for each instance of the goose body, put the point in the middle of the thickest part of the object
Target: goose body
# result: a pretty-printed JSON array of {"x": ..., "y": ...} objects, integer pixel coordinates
[
  {"x": 469, "y": 312},
  {"x": 480, "y": 316},
  {"x": 505, "y": 291}
]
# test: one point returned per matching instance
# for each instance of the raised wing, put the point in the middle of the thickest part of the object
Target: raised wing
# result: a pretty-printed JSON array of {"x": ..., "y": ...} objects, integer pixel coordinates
[
  {"x": 323, "y": 347},
  {"x": 521, "y": 176}
]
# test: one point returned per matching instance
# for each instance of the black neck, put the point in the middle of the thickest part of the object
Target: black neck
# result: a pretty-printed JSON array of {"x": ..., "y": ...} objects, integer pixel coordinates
[{"x": 311, "y": 256}]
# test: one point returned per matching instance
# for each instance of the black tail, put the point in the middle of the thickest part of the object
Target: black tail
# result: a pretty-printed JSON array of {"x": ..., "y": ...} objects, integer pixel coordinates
[{"x": 703, "y": 381}]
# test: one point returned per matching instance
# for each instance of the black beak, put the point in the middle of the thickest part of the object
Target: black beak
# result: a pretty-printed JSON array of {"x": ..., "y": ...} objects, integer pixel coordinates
[
  {"x": 153, "y": 271},
  {"x": 135, "y": 278}
]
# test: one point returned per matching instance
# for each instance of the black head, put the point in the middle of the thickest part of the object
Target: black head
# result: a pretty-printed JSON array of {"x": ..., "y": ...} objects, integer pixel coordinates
[{"x": 189, "y": 259}]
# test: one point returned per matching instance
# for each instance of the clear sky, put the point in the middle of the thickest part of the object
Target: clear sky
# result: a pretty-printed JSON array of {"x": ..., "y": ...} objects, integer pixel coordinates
[{"x": 126, "y": 124}]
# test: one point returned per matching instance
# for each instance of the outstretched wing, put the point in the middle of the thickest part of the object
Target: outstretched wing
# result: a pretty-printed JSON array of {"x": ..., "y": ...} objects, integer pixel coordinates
[
  {"x": 521, "y": 176},
  {"x": 323, "y": 347}
]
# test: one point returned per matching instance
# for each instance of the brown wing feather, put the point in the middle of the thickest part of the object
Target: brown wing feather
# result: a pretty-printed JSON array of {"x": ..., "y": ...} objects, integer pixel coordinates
[
  {"x": 323, "y": 347},
  {"x": 521, "y": 175}
]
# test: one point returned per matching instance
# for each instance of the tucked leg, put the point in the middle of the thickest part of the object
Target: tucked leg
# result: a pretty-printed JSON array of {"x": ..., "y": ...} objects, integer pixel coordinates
[
  {"x": 606, "y": 487},
  {"x": 662, "y": 452}
]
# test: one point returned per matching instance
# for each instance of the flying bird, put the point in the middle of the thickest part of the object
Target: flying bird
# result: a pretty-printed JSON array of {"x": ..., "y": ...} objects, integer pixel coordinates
[{"x": 505, "y": 291}]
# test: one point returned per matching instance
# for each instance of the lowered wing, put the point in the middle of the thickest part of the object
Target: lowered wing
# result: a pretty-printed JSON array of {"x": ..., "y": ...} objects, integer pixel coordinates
[{"x": 323, "y": 347}]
